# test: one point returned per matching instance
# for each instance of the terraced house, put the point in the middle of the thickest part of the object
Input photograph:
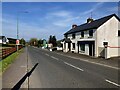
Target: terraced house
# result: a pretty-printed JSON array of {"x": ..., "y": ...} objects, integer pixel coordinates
[{"x": 95, "y": 37}]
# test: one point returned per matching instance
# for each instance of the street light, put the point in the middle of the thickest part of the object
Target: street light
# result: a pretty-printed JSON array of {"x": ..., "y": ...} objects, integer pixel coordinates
[{"x": 17, "y": 41}]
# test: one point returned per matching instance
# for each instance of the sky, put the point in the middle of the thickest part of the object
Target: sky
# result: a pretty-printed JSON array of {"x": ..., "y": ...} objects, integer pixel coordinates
[{"x": 42, "y": 19}]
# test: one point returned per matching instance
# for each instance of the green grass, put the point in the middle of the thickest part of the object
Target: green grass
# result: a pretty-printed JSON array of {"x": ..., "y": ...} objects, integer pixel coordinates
[{"x": 4, "y": 64}]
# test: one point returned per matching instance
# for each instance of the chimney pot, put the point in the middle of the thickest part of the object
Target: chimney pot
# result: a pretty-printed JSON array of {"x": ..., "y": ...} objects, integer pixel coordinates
[
  {"x": 74, "y": 26},
  {"x": 89, "y": 20}
]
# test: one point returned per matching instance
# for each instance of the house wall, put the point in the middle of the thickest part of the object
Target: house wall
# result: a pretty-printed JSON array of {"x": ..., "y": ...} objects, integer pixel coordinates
[
  {"x": 0, "y": 41},
  {"x": 108, "y": 32},
  {"x": 4, "y": 40},
  {"x": 119, "y": 46},
  {"x": 79, "y": 38},
  {"x": 119, "y": 40}
]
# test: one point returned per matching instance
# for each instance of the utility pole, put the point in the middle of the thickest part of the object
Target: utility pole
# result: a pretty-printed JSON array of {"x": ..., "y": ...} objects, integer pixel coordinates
[{"x": 17, "y": 42}]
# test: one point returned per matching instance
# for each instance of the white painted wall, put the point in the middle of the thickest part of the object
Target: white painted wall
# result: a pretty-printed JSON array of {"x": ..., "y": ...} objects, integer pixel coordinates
[
  {"x": 0, "y": 41},
  {"x": 108, "y": 32},
  {"x": 86, "y": 49},
  {"x": 78, "y": 38},
  {"x": 119, "y": 46}
]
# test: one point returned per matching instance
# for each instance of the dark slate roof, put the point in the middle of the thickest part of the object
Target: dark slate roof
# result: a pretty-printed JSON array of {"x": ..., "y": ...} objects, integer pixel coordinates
[
  {"x": 11, "y": 39},
  {"x": 1, "y": 37},
  {"x": 93, "y": 25}
]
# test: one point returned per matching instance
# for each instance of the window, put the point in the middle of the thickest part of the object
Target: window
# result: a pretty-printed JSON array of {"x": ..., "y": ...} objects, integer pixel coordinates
[
  {"x": 119, "y": 33},
  {"x": 73, "y": 44},
  {"x": 91, "y": 33},
  {"x": 82, "y": 34},
  {"x": 82, "y": 47},
  {"x": 73, "y": 36}
]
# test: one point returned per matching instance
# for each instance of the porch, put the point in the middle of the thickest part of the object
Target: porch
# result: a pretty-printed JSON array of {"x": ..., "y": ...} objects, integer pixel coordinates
[{"x": 86, "y": 47}]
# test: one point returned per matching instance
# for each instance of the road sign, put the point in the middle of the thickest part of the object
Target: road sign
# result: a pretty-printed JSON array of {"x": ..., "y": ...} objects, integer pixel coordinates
[{"x": 17, "y": 42}]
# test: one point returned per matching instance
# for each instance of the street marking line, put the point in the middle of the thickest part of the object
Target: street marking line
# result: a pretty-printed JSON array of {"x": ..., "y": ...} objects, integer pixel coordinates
[
  {"x": 47, "y": 54},
  {"x": 112, "y": 82},
  {"x": 73, "y": 66},
  {"x": 91, "y": 62},
  {"x": 54, "y": 58}
]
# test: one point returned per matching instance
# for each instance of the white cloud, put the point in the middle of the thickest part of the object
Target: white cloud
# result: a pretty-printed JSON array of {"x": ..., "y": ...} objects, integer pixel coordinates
[
  {"x": 29, "y": 30},
  {"x": 61, "y": 14},
  {"x": 113, "y": 9},
  {"x": 95, "y": 7},
  {"x": 68, "y": 21}
]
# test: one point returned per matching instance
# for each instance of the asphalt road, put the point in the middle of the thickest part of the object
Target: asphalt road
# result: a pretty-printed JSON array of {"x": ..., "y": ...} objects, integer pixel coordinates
[{"x": 58, "y": 71}]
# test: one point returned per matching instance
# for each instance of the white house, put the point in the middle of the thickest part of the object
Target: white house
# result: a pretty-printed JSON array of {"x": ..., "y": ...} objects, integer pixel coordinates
[
  {"x": 95, "y": 38},
  {"x": 3, "y": 40}
]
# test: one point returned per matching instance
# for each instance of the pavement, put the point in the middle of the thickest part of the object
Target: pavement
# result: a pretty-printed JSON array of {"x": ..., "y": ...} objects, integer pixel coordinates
[
  {"x": 17, "y": 70},
  {"x": 62, "y": 70},
  {"x": 111, "y": 62}
]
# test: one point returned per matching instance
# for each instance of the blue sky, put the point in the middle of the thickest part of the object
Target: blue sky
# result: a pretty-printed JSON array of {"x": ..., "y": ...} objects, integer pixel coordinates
[{"x": 50, "y": 18}]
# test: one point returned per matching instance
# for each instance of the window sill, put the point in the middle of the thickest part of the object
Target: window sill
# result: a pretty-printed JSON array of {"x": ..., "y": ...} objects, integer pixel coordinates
[
  {"x": 90, "y": 37},
  {"x": 82, "y": 51}
]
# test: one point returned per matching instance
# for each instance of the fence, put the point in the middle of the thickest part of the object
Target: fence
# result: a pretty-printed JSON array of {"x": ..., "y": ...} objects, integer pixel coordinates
[{"x": 7, "y": 51}]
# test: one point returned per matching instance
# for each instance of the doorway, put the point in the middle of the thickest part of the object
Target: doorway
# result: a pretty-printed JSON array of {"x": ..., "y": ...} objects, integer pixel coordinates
[
  {"x": 69, "y": 46},
  {"x": 91, "y": 49}
]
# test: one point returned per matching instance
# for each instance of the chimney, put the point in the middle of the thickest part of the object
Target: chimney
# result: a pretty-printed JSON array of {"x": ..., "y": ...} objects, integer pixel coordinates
[
  {"x": 89, "y": 20},
  {"x": 74, "y": 26}
]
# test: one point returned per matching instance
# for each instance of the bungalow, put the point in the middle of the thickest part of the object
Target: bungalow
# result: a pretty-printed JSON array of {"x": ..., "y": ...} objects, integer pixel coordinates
[
  {"x": 95, "y": 38},
  {"x": 3, "y": 40},
  {"x": 12, "y": 40}
]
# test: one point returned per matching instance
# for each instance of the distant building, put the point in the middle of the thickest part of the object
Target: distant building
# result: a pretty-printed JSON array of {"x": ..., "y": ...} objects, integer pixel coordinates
[
  {"x": 12, "y": 40},
  {"x": 3, "y": 40},
  {"x": 50, "y": 45},
  {"x": 95, "y": 38},
  {"x": 44, "y": 43}
]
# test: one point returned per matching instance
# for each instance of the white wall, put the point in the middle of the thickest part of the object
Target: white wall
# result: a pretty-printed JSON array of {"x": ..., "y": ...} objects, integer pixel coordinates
[
  {"x": 86, "y": 49},
  {"x": 119, "y": 46},
  {"x": 0, "y": 41},
  {"x": 108, "y": 32},
  {"x": 78, "y": 38}
]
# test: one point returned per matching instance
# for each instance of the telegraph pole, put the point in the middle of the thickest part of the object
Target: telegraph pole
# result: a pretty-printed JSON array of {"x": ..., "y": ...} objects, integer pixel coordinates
[{"x": 17, "y": 42}]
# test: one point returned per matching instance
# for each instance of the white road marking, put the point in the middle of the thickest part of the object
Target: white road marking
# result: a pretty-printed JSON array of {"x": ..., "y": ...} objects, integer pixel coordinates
[
  {"x": 47, "y": 54},
  {"x": 73, "y": 66},
  {"x": 54, "y": 58},
  {"x": 90, "y": 62},
  {"x": 112, "y": 83}
]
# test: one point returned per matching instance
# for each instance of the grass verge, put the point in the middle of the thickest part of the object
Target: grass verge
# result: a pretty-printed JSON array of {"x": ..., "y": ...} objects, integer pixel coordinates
[{"x": 4, "y": 64}]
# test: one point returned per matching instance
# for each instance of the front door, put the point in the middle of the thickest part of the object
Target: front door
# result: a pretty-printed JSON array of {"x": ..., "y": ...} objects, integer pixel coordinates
[
  {"x": 91, "y": 49},
  {"x": 69, "y": 46}
]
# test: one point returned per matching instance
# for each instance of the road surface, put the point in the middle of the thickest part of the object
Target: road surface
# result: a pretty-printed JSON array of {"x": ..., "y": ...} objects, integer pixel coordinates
[{"x": 58, "y": 71}]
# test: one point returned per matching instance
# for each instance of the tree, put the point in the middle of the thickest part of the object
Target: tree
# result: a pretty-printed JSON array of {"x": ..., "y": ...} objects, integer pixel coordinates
[
  {"x": 59, "y": 43},
  {"x": 40, "y": 43},
  {"x": 33, "y": 42},
  {"x": 22, "y": 41},
  {"x": 52, "y": 39}
]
